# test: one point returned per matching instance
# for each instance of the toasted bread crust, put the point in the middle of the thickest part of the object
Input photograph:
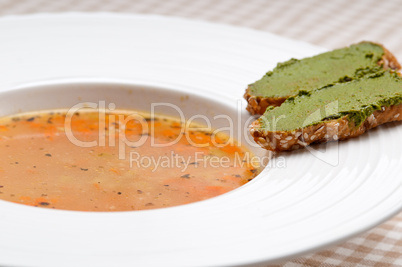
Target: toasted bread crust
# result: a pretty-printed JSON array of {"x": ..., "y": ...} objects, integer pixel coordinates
[
  {"x": 258, "y": 104},
  {"x": 331, "y": 130},
  {"x": 389, "y": 61}
]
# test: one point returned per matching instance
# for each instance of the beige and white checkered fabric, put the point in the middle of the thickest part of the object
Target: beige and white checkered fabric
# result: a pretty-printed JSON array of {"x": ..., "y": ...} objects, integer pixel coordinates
[
  {"x": 328, "y": 24},
  {"x": 381, "y": 246}
]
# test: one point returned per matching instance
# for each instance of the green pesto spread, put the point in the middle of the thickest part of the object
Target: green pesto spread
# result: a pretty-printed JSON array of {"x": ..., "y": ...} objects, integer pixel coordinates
[
  {"x": 340, "y": 65},
  {"x": 358, "y": 99}
]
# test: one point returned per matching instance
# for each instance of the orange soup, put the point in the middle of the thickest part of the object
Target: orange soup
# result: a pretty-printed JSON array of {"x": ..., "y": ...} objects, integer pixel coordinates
[{"x": 125, "y": 160}]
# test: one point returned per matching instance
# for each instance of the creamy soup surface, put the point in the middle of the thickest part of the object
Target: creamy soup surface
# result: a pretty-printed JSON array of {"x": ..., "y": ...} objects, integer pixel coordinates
[{"x": 120, "y": 161}]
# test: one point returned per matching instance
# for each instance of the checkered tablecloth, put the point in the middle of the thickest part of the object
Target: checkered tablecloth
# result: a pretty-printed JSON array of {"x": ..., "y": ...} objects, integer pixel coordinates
[{"x": 329, "y": 24}]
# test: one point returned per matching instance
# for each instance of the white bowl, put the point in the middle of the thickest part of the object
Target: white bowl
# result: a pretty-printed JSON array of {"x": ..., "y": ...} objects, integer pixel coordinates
[
  {"x": 311, "y": 201},
  {"x": 217, "y": 112}
]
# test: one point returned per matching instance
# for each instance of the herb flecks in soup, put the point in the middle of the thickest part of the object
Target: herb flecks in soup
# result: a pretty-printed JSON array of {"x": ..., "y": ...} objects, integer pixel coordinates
[{"x": 115, "y": 161}]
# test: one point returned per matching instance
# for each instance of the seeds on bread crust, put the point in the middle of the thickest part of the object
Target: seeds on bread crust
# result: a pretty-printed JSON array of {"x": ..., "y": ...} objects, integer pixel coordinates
[{"x": 331, "y": 130}]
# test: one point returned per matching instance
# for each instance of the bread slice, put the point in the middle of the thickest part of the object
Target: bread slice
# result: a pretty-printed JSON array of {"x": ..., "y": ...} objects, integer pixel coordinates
[
  {"x": 337, "y": 112},
  {"x": 337, "y": 66}
]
